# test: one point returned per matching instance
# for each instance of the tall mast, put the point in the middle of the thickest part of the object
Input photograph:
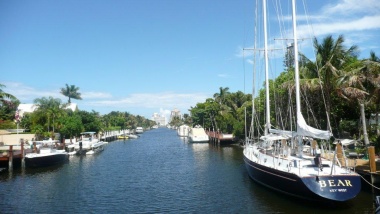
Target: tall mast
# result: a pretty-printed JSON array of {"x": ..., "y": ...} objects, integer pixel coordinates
[
  {"x": 296, "y": 73},
  {"x": 267, "y": 125}
]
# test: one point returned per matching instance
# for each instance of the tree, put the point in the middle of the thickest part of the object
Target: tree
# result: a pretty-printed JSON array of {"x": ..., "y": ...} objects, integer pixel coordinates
[
  {"x": 91, "y": 121},
  {"x": 71, "y": 92},
  {"x": 331, "y": 57},
  {"x": 221, "y": 96},
  {"x": 8, "y": 105},
  {"x": 4, "y": 96},
  {"x": 361, "y": 84},
  {"x": 48, "y": 110},
  {"x": 71, "y": 126}
]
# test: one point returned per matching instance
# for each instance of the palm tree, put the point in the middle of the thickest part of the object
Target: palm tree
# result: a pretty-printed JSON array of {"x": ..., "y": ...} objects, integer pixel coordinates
[
  {"x": 71, "y": 92},
  {"x": 8, "y": 105},
  {"x": 361, "y": 84},
  {"x": 4, "y": 95},
  {"x": 221, "y": 96},
  {"x": 331, "y": 57},
  {"x": 49, "y": 107}
]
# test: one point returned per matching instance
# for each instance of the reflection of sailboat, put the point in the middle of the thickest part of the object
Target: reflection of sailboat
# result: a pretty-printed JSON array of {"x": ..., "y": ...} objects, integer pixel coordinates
[{"x": 278, "y": 161}]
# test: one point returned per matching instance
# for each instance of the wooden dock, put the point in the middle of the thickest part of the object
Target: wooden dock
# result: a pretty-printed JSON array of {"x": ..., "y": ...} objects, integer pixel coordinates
[
  {"x": 220, "y": 138},
  {"x": 369, "y": 178}
]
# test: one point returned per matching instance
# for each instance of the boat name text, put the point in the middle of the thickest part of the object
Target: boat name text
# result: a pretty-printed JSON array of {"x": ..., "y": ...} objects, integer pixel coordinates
[{"x": 335, "y": 183}]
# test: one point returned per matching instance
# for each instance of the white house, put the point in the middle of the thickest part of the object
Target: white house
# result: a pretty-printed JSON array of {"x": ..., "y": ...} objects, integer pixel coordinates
[{"x": 29, "y": 108}]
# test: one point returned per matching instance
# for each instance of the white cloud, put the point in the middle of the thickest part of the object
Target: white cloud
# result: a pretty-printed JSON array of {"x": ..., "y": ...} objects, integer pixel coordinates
[
  {"x": 167, "y": 100},
  {"x": 27, "y": 94},
  {"x": 351, "y": 7},
  {"x": 341, "y": 26},
  {"x": 104, "y": 102}
]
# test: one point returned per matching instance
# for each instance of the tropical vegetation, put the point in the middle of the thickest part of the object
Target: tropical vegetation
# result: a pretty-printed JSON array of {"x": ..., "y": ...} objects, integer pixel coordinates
[
  {"x": 333, "y": 87},
  {"x": 52, "y": 116}
]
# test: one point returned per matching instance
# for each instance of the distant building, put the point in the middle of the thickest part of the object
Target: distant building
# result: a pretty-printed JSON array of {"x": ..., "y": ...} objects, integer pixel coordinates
[
  {"x": 175, "y": 113},
  {"x": 29, "y": 108},
  {"x": 159, "y": 119}
]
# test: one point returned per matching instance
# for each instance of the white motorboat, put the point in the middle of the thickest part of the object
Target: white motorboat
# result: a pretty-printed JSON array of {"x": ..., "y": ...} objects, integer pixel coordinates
[
  {"x": 139, "y": 130},
  {"x": 46, "y": 156},
  {"x": 88, "y": 142},
  {"x": 197, "y": 134},
  {"x": 183, "y": 131},
  {"x": 96, "y": 148}
]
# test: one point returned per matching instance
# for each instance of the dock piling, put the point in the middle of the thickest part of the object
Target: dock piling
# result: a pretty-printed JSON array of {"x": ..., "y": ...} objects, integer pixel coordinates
[{"x": 10, "y": 164}]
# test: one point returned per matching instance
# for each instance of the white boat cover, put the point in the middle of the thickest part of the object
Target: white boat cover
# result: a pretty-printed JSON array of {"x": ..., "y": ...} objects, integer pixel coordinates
[
  {"x": 284, "y": 133},
  {"x": 271, "y": 137},
  {"x": 305, "y": 130}
]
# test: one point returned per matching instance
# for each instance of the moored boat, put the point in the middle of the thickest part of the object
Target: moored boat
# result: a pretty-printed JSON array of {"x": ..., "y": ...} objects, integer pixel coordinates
[
  {"x": 139, "y": 130},
  {"x": 96, "y": 148},
  {"x": 183, "y": 131},
  {"x": 88, "y": 142},
  {"x": 279, "y": 160},
  {"x": 197, "y": 134},
  {"x": 46, "y": 157}
]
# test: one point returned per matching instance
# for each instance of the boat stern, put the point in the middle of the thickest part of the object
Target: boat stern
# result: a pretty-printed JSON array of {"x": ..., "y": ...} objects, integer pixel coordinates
[{"x": 336, "y": 188}]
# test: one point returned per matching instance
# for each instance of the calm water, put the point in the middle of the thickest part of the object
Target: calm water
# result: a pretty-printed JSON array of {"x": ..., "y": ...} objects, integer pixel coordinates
[{"x": 157, "y": 173}]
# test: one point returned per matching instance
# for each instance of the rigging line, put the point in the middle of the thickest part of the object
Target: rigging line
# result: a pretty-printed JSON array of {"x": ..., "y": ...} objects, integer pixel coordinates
[
  {"x": 312, "y": 35},
  {"x": 244, "y": 70},
  {"x": 309, "y": 109},
  {"x": 254, "y": 69}
]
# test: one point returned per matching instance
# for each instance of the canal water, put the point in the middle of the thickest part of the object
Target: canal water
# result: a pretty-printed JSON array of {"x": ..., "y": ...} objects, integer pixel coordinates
[{"x": 156, "y": 173}]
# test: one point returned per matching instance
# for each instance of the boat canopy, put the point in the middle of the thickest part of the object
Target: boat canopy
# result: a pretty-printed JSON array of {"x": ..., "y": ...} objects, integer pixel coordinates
[{"x": 305, "y": 130}]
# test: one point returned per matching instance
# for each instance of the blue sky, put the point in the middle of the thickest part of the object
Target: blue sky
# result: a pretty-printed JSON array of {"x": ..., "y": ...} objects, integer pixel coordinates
[{"x": 147, "y": 56}]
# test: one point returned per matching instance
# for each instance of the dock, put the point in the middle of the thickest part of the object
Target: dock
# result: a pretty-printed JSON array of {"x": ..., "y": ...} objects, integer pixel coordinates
[
  {"x": 220, "y": 138},
  {"x": 371, "y": 179},
  {"x": 16, "y": 147}
]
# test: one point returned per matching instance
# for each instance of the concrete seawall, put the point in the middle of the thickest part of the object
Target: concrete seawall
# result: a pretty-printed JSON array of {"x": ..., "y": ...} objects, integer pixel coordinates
[{"x": 14, "y": 139}]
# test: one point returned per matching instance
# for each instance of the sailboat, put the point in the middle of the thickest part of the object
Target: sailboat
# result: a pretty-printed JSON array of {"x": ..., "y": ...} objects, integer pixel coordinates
[{"x": 278, "y": 159}]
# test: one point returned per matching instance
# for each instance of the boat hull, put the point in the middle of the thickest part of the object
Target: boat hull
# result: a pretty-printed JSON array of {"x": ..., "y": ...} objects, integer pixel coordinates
[
  {"x": 337, "y": 188},
  {"x": 46, "y": 160}
]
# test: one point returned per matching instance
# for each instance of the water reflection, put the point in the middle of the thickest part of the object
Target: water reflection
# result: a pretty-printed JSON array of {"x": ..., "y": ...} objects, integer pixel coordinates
[{"x": 156, "y": 173}]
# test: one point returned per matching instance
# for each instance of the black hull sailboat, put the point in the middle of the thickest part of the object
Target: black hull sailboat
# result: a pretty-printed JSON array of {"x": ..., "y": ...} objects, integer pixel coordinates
[
  {"x": 325, "y": 188},
  {"x": 280, "y": 161}
]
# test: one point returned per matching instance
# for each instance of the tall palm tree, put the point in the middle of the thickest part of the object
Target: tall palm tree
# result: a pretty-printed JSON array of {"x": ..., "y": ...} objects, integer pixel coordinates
[
  {"x": 331, "y": 57},
  {"x": 71, "y": 92},
  {"x": 221, "y": 96}
]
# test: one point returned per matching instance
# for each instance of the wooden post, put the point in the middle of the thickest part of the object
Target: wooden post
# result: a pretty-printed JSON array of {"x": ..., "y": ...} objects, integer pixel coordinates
[
  {"x": 22, "y": 153},
  {"x": 339, "y": 153},
  {"x": 10, "y": 158},
  {"x": 372, "y": 163}
]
